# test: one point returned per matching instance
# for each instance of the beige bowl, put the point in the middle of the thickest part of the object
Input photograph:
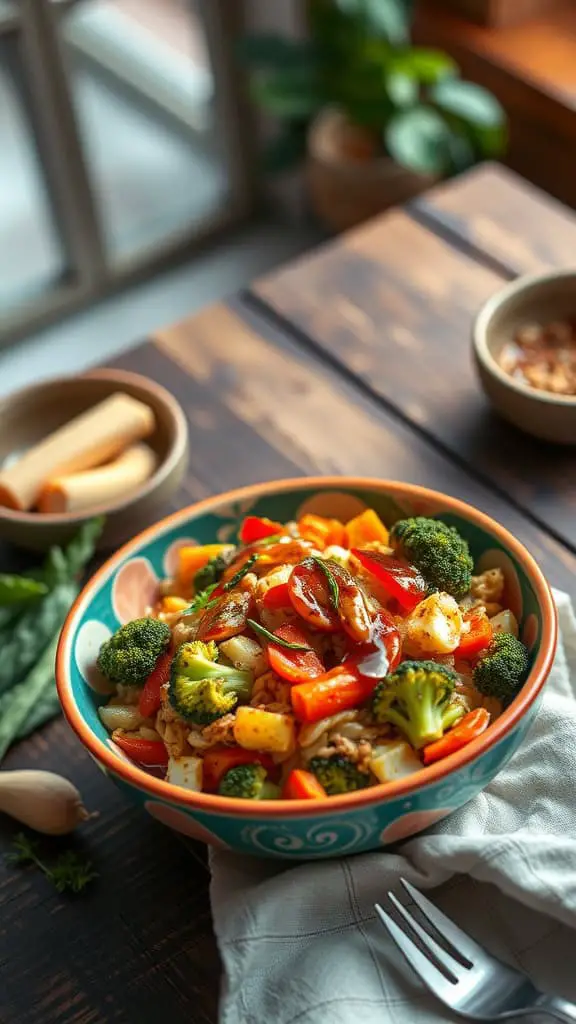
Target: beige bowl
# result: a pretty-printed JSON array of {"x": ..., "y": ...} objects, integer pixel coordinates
[
  {"x": 27, "y": 416},
  {"x": 537, "y": 298}
]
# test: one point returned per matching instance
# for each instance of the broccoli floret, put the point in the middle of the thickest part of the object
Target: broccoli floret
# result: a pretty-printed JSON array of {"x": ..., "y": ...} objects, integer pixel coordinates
[
  {"x": 418, "y": 698},
  {"x": 502, "y": 668},
  {"x": 337, "y": 774},
  {"x": 201, "y": 690},
  {"x": 437, "y": 550},
  {"x": 212, "y": 572},
  {"x": 130, "y": 655},
  {"x": 249, "y": 782}
]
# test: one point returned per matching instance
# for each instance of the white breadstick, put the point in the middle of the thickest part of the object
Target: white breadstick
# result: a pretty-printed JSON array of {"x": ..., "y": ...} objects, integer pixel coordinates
[
  {"x": 99, "y": 486},
  {"x": 88, "y": 440}
]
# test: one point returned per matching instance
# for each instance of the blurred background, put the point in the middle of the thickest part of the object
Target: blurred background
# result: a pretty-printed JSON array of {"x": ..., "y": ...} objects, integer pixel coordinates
[{"x": 157, "y": 154}]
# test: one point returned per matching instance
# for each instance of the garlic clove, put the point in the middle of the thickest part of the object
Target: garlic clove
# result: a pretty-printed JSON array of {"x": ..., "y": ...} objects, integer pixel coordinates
[{"x": 44, "y": 801}]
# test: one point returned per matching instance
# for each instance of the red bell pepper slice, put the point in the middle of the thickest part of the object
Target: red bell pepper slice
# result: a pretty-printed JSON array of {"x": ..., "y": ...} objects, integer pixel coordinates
[
  {"x": 277, "y": 597},
  {"x": 382, "y": 652},
  {"x": 310, "y": 596},
  {"x": 150, "y": 697},
  {"x": 294, "y": 666},
  {"x": 219, "y": 760},
  {"x": 472, "y": 725},
  {"x": 228, "y": 618},
  {"x": 151, "y": 753},
  {"x": 475, "y": 638},
  {"x": 303, "y": 785},
  {"x": 402, "y": 581},
  {"x": 257, "y": 527},
  {"x": 341, "y": 689}
]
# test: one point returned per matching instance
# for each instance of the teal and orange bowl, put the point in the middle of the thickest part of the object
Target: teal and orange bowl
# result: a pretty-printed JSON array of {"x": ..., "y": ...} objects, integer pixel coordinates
[{"x": 369, "y": 819}]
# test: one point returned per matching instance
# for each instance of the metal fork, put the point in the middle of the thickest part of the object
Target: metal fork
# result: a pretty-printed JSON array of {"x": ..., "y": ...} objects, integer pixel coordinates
[{"x": 467, "y": 978}]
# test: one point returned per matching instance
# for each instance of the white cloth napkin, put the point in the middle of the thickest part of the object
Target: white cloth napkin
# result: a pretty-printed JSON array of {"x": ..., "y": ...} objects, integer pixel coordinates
[{"x": 301, "y": 944}]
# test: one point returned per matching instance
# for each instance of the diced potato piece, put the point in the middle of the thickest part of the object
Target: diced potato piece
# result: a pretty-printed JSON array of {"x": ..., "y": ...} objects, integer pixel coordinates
[
  {"x": 120, "y": 716},
  {"x": 365, "y": 529},
  {"x": 193, "y": 558},
  {"x": 434, "y": 627},
  {"x": 505, "y": 622},
  {"x": 338, "y": 554},
  {"x": 171, "y": 604},
  {"x": 255, "y": 729},
  {"x": 245, "y": 654},
  {"x": 186, "y": 772},
  {"x": 394, "y": 759}
]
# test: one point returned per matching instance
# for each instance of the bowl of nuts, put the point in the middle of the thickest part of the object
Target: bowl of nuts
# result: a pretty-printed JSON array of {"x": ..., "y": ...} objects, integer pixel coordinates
[{"x": 524, "y": 345}]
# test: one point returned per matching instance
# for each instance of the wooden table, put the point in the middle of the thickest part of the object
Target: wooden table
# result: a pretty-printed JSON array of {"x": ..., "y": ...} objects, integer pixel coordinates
[{"x": 355, "y": 359}]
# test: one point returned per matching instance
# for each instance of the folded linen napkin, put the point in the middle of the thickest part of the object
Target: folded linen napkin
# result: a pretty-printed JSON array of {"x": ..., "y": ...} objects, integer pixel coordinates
[{"x": 301, "y": 944}]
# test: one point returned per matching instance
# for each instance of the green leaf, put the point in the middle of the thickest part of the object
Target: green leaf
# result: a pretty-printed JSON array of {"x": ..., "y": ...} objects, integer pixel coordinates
[
  {"x": 462, "y": 153},
  {"x": 476, "y": 110},
  {"x": 288, "y": 95},
  {"x": 427, "y": 66},
  {"x": 419, "y": 139},
  {"x": 274, "y": 53},
  {"x": 15, "y": 589},
  {"x": 285, "y": 150},
  {"x": 277, "y": 640},
  {"x": 20, "y": 702},
  {"x": 389, "y": 17},
  {"x": 402, "y": 89}
]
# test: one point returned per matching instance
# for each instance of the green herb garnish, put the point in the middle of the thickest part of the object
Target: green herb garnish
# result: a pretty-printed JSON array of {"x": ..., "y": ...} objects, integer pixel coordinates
[
  {"x": 265, "y": 541},
  {"x": 277, "y": 640},
  {"x": 332, "y": 581},
  {"x": 202, "y": 601},
  {"x": 241, "y": 573},
  {"x": 69, "y": 873}
]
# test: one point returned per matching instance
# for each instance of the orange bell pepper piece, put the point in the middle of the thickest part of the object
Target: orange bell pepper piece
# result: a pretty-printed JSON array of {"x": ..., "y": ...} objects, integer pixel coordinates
[
  {"x": 321, "y": 532},
  {"x": 193, "y": 558},
  {"x": 303, "y": 785},
  {"x": 364, "y": 529}
]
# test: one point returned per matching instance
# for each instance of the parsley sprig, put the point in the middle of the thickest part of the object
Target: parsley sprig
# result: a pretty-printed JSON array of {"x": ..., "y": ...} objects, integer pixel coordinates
[{"x": 68, "y": 873}]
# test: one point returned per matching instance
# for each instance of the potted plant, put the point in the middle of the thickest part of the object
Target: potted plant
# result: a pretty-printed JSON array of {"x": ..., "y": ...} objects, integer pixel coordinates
[{"x": 376, "y": 118}]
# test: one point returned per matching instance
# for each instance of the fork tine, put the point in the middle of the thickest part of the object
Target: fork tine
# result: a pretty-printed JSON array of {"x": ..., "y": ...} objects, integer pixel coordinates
[
  {"x": 446, "y": 961},
  {"x": 464, "y": 948},
  {"x": 424, "y": 968}
]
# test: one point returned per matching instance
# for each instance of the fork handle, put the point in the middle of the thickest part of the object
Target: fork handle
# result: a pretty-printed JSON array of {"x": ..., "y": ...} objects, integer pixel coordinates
[{"x": 559, "y": 1009}]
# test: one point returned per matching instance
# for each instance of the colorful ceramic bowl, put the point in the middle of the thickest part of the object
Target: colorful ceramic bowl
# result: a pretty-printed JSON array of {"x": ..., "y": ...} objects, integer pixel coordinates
[{"x": 372, "y": 818}]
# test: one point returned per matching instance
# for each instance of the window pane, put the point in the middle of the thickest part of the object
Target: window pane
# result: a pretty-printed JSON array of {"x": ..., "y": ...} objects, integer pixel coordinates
[
  {"x": 31, "y": 258},
  {"x": 143, "y": 90}
]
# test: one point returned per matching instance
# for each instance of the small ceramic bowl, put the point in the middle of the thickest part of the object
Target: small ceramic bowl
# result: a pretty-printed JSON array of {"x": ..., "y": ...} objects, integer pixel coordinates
[
  {"x": 27, "y": 416},
  {"x": 293, "y": 829},
  {"x": 538, "y": 298}
]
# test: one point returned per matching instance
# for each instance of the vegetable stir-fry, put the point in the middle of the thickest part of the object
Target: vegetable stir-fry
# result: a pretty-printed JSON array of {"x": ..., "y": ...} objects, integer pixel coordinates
[{"x": 315, "y": 658}]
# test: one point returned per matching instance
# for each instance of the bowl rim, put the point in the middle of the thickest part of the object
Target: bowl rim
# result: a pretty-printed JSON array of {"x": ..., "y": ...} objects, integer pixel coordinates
[
  {"x": 165, "y": 467},
  {"x": 237, "y": 807},
  {"x": 480, "y": 336}
]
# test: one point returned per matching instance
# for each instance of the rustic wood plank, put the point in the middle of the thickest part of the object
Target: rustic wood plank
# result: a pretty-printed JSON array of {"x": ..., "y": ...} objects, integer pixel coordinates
[
  {"x": 392, "y": 303},
  {"x": 139, "y": 946},
  {"x": 318, "y": 421},
  {"x": 504, "y": 219}
]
